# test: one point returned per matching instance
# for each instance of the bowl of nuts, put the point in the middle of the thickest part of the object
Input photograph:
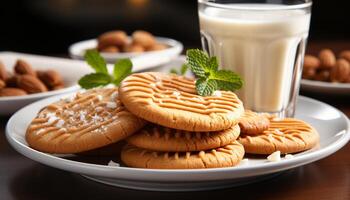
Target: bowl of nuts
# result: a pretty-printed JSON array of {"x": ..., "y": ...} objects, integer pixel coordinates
[
  {"x": 327, "y": 72},
  {"x": 144, "y": 49},
  {"x": 26, "y": 78}
]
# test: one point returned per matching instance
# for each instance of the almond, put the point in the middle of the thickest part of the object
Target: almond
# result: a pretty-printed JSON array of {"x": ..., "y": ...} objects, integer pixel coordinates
[
  {"x": 2, "y": 84},
  {"x": 22, "y": 67},
  {"x": 58, "y": 87},
  {"x": 143, "y": 38},
  {"x": 345, "y": 55},
  {"x": 4, "y": 92},
  {"x": 157, "y": 47},
  {"x": 112, "y": 38},
  {"x": 110, "y": 49},
  {"x": 135, "y": 48},
  {"x": 311, "y": 62},
  {"x": 31, "y": 84},
  {"x": 3, "y": 72},
  {"x": 309, "y": 73},
  {"x": 341, "y": 71},
  {"x": 327, "y": 58},
  {"x": 50, "y": 78}
]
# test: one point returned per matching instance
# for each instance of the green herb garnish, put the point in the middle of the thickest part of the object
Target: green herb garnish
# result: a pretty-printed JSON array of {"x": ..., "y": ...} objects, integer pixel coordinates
[
  {"x": 101, "y": 77},
  {"x": 209, "y": 77},
  {"x": 182, "y": 70}
]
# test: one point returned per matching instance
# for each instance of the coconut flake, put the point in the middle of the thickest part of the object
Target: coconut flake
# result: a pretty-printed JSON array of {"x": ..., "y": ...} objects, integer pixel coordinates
[
  {"x": 274, "y": 157},
  {"x": 113, "y": 164},
  {"x": 114, "y": 96},
  {"x": 60, "y": 123},
  {"x": 111, "y": 105},
  {"x": 99, "y": 97},
  {"x": 52, "y": 119},
  {"x": 288, "y": 156}
]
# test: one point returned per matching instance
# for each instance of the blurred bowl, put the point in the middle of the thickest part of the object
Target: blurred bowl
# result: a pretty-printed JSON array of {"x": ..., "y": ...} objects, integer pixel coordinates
[{"x": 141, "y": 61}]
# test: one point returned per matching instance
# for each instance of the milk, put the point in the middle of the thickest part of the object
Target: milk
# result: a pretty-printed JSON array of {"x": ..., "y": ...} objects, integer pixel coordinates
[{"x": 264, "y": 47}]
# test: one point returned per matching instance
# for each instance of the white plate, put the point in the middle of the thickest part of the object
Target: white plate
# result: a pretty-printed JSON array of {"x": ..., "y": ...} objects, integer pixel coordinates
[
  {"x": 325, "y": 87},
  {"x": 70, "y": 70},
  {"x": 141, "y": 61},
  {"x": 332, "y": 125}
]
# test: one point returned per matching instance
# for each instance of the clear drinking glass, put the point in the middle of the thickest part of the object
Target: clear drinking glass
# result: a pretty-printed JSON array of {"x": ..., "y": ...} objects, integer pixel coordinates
[{"x": 264, "y": 42}]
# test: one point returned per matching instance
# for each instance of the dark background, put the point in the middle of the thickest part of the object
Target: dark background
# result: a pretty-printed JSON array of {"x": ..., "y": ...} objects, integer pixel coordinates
[{"x": 50, "y": 26}]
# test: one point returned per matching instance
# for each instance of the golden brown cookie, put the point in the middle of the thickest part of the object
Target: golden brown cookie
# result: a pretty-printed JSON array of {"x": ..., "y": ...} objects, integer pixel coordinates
[
  {"x": 83, "y": 122},
  {"x": 227, "y": 156},
  {"x": 172, "y": 101},
  {"x": 253, "y": 123},
  {"x": 286, "y": 135},
  {"x": 158, "y": 138}
]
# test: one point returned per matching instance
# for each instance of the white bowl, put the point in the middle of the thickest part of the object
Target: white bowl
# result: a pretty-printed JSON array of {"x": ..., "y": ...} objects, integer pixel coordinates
[
  {"x": 141, "y": 61},
  {"x": 325, "y": 87},
  {"x": 70, "y": 70}
]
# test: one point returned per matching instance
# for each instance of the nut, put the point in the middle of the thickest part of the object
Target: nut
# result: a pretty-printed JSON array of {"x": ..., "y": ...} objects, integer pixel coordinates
[
  {"x": 135, "y": 48},
  {"x": 311, "y": 62},
  {"x": 308, "y": 73},
  {"x": 3, "y": 72},
  {"x": 143, "y": 38},
  {"x": 327, "y": 58},
  {"x": 22, "y": 67},
  {"x": 345, "y": 55},
  {"x": 341, "y": 71},
  {"x": 4, "y": 92},
  {"x": 110, "y": 49},
  {"x": 58, "y": 87},
  {"x": 158, "y": 47},
  {"x": 2, "y": 84},
  {"x": 322, "y": 75},
  {"x": 31, "y": 84},
  {"x": 112, "y": 38},
  {"x": 50, "y": 78}
]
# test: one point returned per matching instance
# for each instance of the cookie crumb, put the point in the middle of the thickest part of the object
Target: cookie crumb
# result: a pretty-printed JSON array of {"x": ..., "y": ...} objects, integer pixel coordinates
[
  {"x": 114, "y": 96},
  {"x": 245, "y": 161},
  {"x": 288, "y": 156},
  {"x": 113, "y": 164},
  {"x": 274, "y": 157},
  {"x": 111, "y": 105},
  {"x": 99, "y": 97},
  {"x": 217, "y": 93}
]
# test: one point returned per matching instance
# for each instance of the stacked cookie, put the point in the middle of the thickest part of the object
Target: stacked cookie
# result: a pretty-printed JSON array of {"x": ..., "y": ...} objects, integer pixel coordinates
[
  {"x": 263, "y": 134},
  {"x": 186, "y": 130}
]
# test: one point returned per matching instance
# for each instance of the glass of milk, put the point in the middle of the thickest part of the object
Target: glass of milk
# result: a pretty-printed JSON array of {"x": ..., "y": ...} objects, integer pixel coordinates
[{"x": 264, "y": 43}]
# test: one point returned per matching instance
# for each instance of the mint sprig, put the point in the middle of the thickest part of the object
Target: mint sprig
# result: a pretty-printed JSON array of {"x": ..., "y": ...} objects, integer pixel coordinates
[
  {"x": 101, "y": 77},
  {"x": 210, "y": 78}
]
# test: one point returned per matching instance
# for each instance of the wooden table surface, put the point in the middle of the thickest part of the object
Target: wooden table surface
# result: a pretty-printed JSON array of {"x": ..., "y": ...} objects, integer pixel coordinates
[{"x": 329, "y": 178}]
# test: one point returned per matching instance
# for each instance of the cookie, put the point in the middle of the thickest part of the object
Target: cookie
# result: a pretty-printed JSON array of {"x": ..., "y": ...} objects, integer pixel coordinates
[
  {"x": 106, "y": 151},
  {"x": 252, "y": 123},
  {"x": 86, "y": 121},
  {"x": 158, "y": 138},
  {"x": 286, "y": 135},
  {"x": 227, "y": 156},
  {"x": 172, "y": 101}
]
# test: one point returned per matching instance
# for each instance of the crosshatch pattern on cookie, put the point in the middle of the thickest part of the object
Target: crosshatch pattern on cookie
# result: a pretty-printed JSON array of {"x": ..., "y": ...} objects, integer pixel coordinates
[
  {"x": 227, "y": 156},
  {"x": 158, "y": 138},
  {"x": 175, "y": 97},
  {"x": 178, "y": 92},
  {"x": 81, "y": 122},
  {"x": 285, "y": 135}
]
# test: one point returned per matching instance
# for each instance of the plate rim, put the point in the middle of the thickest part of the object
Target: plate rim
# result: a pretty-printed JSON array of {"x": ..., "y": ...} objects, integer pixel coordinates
[
  {"x": 129, "y": 173},
  {"x": 325, "y": 85}
]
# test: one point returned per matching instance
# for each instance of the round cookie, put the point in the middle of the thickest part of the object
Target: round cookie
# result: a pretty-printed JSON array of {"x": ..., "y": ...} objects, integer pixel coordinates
[
  {"x": 253, "y": 123},
  {"x": 286, "y": 135},
  {"x": 172, "y": 101},
  {"x": 82, "y": 122},
  {"x": 158, "y": 138},
  {"x": 227, "y": 156}
]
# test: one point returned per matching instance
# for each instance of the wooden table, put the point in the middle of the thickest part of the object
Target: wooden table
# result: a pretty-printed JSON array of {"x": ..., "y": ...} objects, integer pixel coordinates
[{"x": 22, "y": 178}]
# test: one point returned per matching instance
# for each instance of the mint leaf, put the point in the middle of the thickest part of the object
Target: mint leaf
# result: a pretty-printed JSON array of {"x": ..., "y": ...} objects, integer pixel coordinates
[
  {"x": 96, "y": 61},
  {"x": 183, "y": 69},
  {"x": 213, "y": 64},
  {"x": 174, "y": 71},
  {"x": 197, "y": 60},
  {"x": 227, "y": 80},
  {"x": 122, "y": 68},
  {"x": 205, "y": 87},
  {"x": 94, "y": 80}
]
